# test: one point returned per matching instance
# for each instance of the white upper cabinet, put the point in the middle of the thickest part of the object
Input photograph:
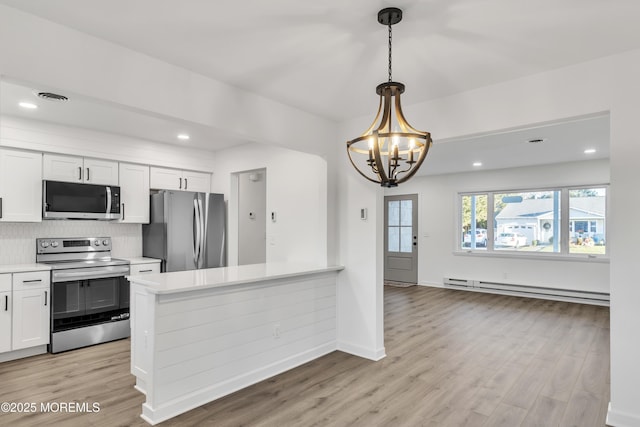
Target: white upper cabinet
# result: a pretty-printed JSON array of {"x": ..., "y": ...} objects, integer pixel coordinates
[
  {"x": 175, "y": 179},
  {"x": 134, "y": 193},
  {"x": 197, "y": 181},
  {"x": 20, "y": 186},
  {"x": 58, "y": 167}
]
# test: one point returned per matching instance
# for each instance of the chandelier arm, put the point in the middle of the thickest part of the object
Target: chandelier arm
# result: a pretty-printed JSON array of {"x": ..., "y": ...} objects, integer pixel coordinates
[
  {"x": 402, "y": 119},
  {"x": 373, "y": 125},
  {"x": 359, "y": 171},
  {"x": 386, "y": 112},
  {"x": 421, "y": 158},
  {"x": 378, "y": 159}
]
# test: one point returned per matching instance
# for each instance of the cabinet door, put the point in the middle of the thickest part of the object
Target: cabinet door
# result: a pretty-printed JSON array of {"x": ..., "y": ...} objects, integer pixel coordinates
[
  {"x": 5, "y": 321},
  {"x": 62, "y": 168},
  {"x": 20, "y": 186},
  {"x": 134, "y": 193},
  {"x": 103, "y": 172},
  {"x": 165, "y": 179},
  {"x": 30, "y": 318},
  {"x": 196, "y": 181}
]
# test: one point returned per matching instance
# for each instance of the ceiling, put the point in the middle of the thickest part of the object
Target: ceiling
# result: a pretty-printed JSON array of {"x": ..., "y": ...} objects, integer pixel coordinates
[{"x": 327, "y": 58}]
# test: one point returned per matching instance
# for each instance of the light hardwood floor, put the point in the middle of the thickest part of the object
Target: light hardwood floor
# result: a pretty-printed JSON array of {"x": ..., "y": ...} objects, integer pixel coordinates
[{"x": 454, "y": 358}]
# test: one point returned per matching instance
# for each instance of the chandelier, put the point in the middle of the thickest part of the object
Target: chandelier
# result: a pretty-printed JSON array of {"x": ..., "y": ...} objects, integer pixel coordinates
[{"x": 390, "y": 151}]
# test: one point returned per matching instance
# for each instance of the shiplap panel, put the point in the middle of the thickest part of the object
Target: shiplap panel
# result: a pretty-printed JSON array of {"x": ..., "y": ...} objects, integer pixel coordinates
[
  {"x": 233, "y": 341},
  {"x": 205, "y": 378},
  {"x": 223, "y": 329},
  {"x": 227, "y": 295},
  {"x": 189, "y": 317}
]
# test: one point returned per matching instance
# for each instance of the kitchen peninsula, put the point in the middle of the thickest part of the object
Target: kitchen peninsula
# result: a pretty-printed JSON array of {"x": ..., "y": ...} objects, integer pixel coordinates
[{"x": 199, "y": 335}]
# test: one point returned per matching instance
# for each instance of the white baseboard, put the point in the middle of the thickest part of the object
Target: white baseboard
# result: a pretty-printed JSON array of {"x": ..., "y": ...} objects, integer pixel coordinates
[
  {"x": 622, "y": 419},
  {"x": 363, "y": 352},
  {"x": 155, "y": 415},
  {"x": 25, "y": 352},
  {"x": 431, "y": 285}
]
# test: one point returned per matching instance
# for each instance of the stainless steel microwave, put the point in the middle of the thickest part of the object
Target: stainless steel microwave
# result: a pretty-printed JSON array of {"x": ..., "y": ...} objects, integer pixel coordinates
[{"x": 70, "y": 200}]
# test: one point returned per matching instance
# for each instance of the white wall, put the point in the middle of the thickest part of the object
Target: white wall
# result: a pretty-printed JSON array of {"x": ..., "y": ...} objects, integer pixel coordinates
[
  {"x": 296, "y": 192},
  {"x": 437, "y": 196},
  {"x": 608, "y": 84}
]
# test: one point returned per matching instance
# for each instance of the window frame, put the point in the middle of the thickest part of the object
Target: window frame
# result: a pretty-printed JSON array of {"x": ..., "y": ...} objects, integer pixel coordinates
[{"x": 564, "y": 222}]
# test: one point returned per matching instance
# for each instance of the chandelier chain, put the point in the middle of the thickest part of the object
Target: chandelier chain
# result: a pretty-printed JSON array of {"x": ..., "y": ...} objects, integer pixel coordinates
[{"x": 389, "y": 53}]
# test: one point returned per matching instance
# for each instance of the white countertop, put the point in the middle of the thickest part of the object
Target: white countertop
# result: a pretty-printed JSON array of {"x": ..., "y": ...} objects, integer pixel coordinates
[
  {"x": 20, "y": 268},
  {"x": 182, "y": 281},
  {"x": 141, "y": 260}
]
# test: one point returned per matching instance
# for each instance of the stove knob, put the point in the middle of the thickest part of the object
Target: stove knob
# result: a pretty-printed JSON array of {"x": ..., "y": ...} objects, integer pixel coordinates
[
  {"x": 54, "y": 244},
  {"x": 97, "y": 243},
  {"x": 44, "y": 244},
  {"x": 105, "y": 242}
]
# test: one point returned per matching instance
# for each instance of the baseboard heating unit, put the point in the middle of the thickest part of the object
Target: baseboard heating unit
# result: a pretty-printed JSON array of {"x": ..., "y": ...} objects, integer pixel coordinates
[{"x": 585, "y": 297}]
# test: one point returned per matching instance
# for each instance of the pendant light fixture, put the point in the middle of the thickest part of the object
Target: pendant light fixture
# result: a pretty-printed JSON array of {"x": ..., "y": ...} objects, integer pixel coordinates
[{"x": 390, "y": 151}]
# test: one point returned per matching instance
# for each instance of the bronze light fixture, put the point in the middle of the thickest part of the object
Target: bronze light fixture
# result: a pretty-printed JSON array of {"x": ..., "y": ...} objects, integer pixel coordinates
[{"x": 390, "y": 151}]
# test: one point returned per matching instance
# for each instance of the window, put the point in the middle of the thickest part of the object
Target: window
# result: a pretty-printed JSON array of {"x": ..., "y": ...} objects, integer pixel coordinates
[
  {"x": 400, "y": 226},
  {"x": 587, "y": 208},
  {"x": 474, "y": 221},
  {"x": 565, "y": 221}
]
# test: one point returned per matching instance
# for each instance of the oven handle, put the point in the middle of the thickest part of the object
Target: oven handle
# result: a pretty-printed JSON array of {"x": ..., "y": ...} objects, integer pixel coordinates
[{"x": 105, "y": 272}]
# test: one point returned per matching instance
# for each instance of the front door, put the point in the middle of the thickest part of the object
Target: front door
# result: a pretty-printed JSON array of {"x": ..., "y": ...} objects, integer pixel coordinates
[{"x": 401, "y": 238}]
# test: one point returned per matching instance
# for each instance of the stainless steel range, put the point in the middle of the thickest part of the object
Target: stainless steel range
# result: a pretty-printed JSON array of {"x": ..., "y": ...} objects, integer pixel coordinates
[{"x": 89, "y": 291}]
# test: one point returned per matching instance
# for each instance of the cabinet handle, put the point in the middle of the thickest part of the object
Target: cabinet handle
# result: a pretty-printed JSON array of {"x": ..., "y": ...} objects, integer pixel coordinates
[
  {"x": 180, "y": 186},
  {"x": 185, "y": 183},
  {"x": 145, "y": 271},
  {"x": 45, "y": 298},
  {"x": 6, "y": 303},
  {"x": 32, "y": 281},
  {"x": 88, "y": 179},
  {"x": 0, "y": 207},
  {"x": 123, "y": 211},
  {"x": 79, "y": 173}
]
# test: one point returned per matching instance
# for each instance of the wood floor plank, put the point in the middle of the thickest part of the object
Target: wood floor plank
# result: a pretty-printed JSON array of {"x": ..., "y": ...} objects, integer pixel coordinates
[{"x": 454, "y": 358}]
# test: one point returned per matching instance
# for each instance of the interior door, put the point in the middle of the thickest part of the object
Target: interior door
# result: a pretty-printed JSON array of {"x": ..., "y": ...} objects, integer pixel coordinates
[{"x": 401, "y": 238}]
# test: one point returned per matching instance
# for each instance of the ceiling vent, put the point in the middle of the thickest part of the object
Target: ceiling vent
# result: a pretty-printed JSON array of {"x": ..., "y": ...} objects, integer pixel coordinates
[{"x": 52, "y": 96}]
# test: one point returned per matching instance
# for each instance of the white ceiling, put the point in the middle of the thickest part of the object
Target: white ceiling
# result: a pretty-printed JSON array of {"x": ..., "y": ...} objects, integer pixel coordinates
[{"x": 327, "y": 57}]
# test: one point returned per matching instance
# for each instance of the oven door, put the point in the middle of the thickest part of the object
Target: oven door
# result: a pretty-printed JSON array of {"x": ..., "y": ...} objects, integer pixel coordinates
[
  {"x": 68, "y": 299},
  {"x": 102, "y": 295}
]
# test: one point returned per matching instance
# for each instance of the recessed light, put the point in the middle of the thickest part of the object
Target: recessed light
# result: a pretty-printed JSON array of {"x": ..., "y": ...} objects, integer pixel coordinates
[
  {"x": 183, "y": 136},
  {"x": 477, "y": 164},
  {"x": 28, "y": 105},
  {"x": 589, "y": 151}
]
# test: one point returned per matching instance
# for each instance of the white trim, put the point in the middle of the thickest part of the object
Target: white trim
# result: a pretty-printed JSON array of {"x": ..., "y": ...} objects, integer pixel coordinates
[
  {"x": 604, "y": 259},
  {"x": 178, "y": 406},
  {"x": 622, "y": 419},
  {"x": 366, "y": 353}
]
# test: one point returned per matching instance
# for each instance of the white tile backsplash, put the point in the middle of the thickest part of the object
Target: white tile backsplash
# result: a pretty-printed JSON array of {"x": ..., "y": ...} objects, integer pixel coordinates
[{"x": 18, "y": 240}]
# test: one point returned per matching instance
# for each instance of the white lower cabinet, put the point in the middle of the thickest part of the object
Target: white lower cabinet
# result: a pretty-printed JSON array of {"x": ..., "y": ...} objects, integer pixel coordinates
[
  {"x": 25, "y": 300},
  {"x": 30, "y": 318}
]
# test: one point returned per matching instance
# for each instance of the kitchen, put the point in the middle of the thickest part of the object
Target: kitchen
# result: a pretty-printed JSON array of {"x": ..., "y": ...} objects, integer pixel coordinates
[{"x": 47, "y": 55}]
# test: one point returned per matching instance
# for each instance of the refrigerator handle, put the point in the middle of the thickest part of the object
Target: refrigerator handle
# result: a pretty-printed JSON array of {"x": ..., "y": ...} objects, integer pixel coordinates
[
  {"x": 196, "y": 243},
  {"x": 203, "y": 232}
]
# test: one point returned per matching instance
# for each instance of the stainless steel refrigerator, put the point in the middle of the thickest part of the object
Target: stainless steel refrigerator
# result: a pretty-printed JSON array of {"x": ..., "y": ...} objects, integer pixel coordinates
[{"x": 187, "y": 230}]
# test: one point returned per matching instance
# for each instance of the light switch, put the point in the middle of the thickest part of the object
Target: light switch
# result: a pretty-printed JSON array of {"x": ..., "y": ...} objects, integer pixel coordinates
[
  {"x": 363, "y": 214},
  {"x": 273, "y": 217}
]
